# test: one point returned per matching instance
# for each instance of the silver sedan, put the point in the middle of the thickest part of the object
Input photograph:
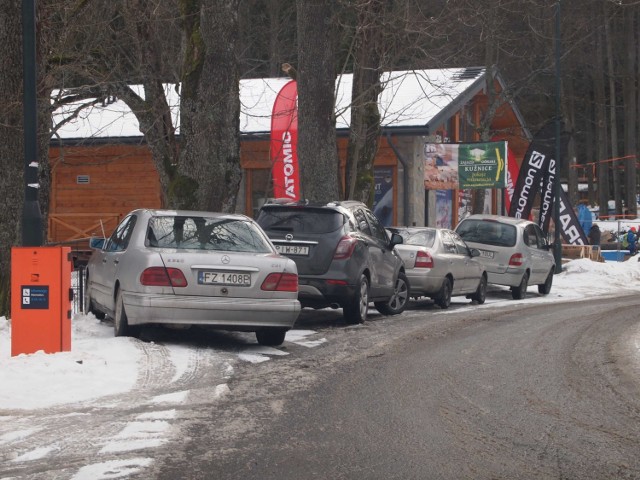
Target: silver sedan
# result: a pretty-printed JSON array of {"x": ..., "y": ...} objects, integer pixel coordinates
[
  {"x": 440, "y": 265},
  {"x": 185, "y": 267}
]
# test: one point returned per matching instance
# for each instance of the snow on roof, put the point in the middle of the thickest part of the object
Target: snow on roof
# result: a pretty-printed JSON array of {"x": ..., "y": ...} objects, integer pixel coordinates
[{"x": 410, "y": 98}]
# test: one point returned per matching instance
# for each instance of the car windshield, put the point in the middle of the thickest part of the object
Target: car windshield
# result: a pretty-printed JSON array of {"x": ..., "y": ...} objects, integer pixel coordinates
[
  {"x": 308, "y": 220},
  {"x": 488, "y": 232},
  {"x": 423, "y": 238},
  {"x": 202, "y": 233}
]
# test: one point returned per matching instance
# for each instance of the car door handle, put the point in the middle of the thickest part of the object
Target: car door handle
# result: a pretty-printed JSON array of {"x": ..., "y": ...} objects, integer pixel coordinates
[
  {"x": 104, "y": 260},
  {"x": 116, "y": 262}
]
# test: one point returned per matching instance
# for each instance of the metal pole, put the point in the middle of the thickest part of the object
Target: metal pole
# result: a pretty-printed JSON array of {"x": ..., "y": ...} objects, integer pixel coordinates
[
  {"x": 557, "y": 251},
  {"x": 31, "y": 216}
]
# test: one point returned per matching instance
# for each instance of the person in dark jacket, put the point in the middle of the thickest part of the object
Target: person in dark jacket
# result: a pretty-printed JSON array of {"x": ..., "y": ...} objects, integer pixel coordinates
[
  {"x": 594, "y": 235},
  {"x": 631, "y": 239}
]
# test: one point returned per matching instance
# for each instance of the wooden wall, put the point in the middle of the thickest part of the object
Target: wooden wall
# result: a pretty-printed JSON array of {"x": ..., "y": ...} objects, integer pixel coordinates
[{"x": 121, "y": 178}]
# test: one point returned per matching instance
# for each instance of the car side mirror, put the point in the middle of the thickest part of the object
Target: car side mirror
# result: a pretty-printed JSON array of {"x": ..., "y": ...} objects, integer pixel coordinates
[
  {"x": 96, "y": 243},
  {"x": 396, "y": 239},
  {"x": 474, "y": 252}
]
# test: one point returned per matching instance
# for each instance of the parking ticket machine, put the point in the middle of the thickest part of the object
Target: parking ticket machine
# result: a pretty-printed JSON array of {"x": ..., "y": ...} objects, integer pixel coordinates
[{"x": 41, "y": 298}]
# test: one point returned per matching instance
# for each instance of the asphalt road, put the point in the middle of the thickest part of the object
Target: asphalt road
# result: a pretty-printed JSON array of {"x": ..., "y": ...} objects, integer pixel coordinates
[{"x": 548, "y": 391}]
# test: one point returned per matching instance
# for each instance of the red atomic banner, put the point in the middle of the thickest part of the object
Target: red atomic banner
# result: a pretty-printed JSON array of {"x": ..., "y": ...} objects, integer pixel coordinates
[{"x": 284, "y": 143}]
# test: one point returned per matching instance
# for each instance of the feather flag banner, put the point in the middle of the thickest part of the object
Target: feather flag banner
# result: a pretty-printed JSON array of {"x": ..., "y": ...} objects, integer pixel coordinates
[{"x": 284, "y": 143}]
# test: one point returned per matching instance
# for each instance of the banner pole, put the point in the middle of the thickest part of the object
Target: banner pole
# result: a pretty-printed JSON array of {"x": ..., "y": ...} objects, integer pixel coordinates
[{"x": 557, "y": 250}]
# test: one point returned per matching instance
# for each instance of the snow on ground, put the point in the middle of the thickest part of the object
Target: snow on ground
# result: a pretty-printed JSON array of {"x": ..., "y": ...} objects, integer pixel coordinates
[{"x": 100, "y": 364}]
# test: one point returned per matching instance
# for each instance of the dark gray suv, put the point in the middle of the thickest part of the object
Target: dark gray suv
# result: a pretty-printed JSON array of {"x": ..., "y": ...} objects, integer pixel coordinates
[{"x": 344, "y": 256}]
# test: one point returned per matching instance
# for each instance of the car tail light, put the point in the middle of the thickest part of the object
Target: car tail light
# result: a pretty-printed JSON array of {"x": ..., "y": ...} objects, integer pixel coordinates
[
  {"x": 516, "y": 260},
  {"x": 345, "y": 248},
  {"x": 280, "y": 282},
  {"x": 163, "y": 277},
  {"x": 423, "y": 260}
]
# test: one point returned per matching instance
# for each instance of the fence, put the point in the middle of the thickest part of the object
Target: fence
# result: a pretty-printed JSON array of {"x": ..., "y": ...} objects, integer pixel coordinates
[{"x": 78, "y": 282}]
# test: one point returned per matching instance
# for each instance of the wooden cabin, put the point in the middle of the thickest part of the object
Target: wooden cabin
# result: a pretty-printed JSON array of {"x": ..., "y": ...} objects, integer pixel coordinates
[{"x": 97, "y": 180}]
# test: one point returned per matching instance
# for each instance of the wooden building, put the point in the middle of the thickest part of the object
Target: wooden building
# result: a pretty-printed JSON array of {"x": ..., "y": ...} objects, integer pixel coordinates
[{"x": 101, "y": 171}]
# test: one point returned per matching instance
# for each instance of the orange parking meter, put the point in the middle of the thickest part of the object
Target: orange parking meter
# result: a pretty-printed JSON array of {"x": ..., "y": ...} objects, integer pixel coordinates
[{"x": 40, "y": 299}]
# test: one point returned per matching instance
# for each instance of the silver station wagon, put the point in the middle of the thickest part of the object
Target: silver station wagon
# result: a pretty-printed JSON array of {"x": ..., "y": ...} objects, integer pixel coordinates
[
  {"x": 186, "y": 267},
  {"x": 515, "y": 252}
]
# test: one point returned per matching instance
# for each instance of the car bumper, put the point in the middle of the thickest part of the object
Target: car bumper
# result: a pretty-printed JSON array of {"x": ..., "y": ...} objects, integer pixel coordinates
[
  {"x": 233, "y": 313},
  {"x": 423, "y": 284},
  {"x": 319, "y": 293},
  {"x": 509, "y": 278}
]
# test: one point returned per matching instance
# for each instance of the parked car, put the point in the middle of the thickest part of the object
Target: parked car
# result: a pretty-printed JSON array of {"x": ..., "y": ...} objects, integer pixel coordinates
[
  {"x": 440, "y": 265},
  {"x": 344, "y": 256},
  {"x": 515, "y": 252},
  {"x": 186, "y": 267}
]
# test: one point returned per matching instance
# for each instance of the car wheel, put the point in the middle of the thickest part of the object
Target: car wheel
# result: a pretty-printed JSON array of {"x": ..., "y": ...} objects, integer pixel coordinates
[
  {"x": 399, "y": 300},
  {"x": 121, "y": 325},
  {"x": 545, "y": 288},
  {"x": 88, "y": 305},
  {"x": 519, "y": 292},
  {"x": 444, "y": 296},
  {"x": 271, "y": 337},
  {"x": 481, "y": 292},
  {"x": 356, "y": 310}
]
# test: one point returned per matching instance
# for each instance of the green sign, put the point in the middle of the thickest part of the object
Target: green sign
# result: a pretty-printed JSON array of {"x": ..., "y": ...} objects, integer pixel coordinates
[{"x": 482, "y": 165}]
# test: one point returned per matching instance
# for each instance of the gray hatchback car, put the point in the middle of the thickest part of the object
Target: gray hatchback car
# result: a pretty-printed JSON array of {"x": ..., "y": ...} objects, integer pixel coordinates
[
  {"x": 344, "y": 256},
  {"x": 515, "y": 252}
]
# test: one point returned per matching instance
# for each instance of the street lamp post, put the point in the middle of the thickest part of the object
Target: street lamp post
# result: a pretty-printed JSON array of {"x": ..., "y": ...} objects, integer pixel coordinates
[
  {"x": 31, "y": 216},
  {"x": 557, "y": 246}
]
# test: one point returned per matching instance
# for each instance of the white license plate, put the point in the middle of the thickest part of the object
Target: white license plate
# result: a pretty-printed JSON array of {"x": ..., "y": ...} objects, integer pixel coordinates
[
  {"x": 486, "y": 254},
  {"x": 293, "y": 249},
  {"x": 224, "y": 278}
]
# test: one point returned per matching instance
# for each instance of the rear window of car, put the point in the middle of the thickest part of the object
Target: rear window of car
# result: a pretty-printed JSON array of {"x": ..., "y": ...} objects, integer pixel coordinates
[
  {"x": 203, "y": 233},
  {"x": 488, "y": 232},
  {"x": 423, "y": 238},
  {"x": 298, "y": 220}
]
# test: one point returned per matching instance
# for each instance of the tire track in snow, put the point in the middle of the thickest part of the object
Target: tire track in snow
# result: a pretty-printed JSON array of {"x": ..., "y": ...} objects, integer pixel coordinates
[{"x": 79, "y": 440}]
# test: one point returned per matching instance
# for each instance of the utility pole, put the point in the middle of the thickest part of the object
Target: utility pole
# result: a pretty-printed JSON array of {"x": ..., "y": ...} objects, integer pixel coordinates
[{"x": 31, "y": 216}]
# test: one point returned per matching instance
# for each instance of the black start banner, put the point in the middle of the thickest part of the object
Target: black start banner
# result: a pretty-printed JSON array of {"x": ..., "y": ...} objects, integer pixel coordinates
[
  {"x": 570, "y": 226},
  {"x": 538, "y": 175},
  {"x": 535, "y": 166}
]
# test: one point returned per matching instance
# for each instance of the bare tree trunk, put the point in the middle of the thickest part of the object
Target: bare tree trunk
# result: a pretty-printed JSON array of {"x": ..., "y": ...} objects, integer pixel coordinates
[
  {"x": 209, "y": 166},
  {"x": 630, "y": 93},
  {"x": 156, "y": 124},
  {"x": 365, "y": 116},
  {"x": 601, "y": 128},
  {"x": 11, "y": 146},
  {"x": 613, "y": 129},
  {"x": 566, "y": 166},
  {"x": 317, "y": 150},
  {"x": 590, "y": 150}
]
